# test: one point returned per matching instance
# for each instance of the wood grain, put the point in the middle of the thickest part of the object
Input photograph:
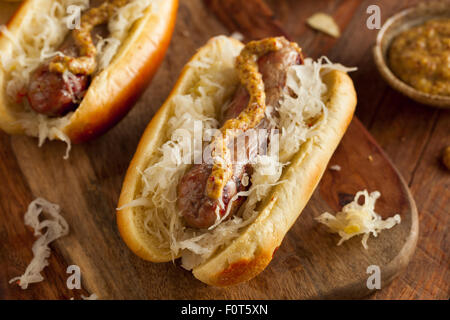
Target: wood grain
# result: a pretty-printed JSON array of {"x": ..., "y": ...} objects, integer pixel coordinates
[
  {"x": 253, "y": 19},
  {"x": 88, "y": 184},
  {"x": 411, "y": 134}
]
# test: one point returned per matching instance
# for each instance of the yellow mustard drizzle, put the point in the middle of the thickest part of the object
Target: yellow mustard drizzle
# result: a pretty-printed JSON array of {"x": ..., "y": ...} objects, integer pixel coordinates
[
  {"x": 251, "y": 79},
  {"x": 86, "y": 63}
]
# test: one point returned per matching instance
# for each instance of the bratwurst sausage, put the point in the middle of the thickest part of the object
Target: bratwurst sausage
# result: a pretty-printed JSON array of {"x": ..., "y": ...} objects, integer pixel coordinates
[
  {"x": 57, "y": 86},
  {"x": 199, "y": 210},
  {"x": 53, "y": 93}
]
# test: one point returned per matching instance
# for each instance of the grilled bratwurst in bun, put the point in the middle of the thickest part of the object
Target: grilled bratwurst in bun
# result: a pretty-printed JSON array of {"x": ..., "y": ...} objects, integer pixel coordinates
[
  {"x": 232, "y": 157},
  {"x": 71, "y": 69}
]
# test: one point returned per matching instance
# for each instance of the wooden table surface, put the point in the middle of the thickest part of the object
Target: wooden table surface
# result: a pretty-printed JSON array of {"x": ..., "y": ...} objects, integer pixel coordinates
[{"x": 412, "y": 135}]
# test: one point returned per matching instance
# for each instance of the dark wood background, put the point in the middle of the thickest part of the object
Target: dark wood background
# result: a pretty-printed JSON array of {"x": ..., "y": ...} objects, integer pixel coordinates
[{"x": 412, "y": 135}]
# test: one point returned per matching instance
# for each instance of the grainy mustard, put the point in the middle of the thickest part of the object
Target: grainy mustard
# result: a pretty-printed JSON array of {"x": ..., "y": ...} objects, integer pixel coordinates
[
  {"x": 420, "y": 56},
  {"x": 251, "y": 79},
  {"x": 86, "y": 63}
]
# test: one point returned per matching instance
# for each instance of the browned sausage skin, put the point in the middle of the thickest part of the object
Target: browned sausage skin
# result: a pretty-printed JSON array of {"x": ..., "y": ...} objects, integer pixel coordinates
[
  {"x": 58, "y": 85},
  {"x": 53, "y": 94},
  {"x": 50, "y": 94},
  {"x": 199, "y": 210}
]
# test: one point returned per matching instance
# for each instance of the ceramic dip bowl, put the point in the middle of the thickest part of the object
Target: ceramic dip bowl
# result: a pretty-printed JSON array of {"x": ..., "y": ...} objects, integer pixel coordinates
[{"x": 396, "y": 24}]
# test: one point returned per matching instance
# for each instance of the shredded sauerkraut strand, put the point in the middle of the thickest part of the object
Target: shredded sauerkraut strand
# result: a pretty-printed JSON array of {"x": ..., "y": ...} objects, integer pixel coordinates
[
  {"x": 298, "y": 118},
  {"x": 356, "y": 219},
  {"x": 56, "y": 227},
  {"x": 41, "y": 43}
]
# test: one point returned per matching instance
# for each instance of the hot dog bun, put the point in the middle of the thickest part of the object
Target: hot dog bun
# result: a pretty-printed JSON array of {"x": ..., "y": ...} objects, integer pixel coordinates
[
  {"x": 115, "y": 89},
  {"x": 250, "y": 252}
]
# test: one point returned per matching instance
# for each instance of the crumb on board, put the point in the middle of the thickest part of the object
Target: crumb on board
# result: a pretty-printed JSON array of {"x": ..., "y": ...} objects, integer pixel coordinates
[
  {"x": 237, "y": 35},
  {"x": 185, "y": 33},
  {"x": 370, "y": 158},
  {"x": 91, "y": 297},
  {"x": 325, "y": 23},
  {"x": 335, "y": 167}
]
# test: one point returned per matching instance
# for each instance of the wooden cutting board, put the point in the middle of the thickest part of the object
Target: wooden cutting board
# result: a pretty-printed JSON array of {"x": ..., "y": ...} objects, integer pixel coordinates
[{"x": 307, "y": 265}]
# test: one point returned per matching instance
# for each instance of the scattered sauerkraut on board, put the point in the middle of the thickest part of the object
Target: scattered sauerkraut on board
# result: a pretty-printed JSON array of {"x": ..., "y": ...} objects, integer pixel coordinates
[
  {"x": 56, "y": 227},
  {"x": 356, "y": 219}
]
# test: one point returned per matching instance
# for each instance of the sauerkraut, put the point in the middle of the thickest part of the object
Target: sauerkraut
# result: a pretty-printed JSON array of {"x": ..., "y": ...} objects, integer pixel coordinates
[
  {"x": 55, "y": 227},
  {"x": 41, "y": 41},
  {"x": 298, "y": 118},
  {"x": 356, "y": 219}
]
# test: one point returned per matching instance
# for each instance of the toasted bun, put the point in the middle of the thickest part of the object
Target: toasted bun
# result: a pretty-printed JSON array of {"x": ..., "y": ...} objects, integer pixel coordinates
[
  {"x": 249, "y": 253},
  {"x": 115, "y": 89}
]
